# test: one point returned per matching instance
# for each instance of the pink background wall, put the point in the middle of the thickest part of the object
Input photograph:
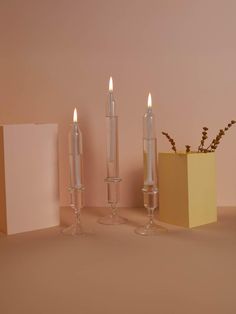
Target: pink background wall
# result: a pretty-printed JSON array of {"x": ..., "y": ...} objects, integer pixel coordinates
[{"x": 57, "y": 54}]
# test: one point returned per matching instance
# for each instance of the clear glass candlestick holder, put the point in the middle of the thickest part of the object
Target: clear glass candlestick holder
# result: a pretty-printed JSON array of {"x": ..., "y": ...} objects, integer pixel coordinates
[
  {"x": 150, "y": 194},
  {"x": 113, "y": 218},
  {"x": 76, "y": 203},
  {"x": 113, "y": 195}
]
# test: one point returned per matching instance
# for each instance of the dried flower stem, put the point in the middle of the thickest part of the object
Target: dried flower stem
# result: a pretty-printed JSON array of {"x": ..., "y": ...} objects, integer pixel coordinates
[
  {"x": 172, "y": 142},
  {"x": 216, "y": 141},
  {"x": 204, "y": 137}
]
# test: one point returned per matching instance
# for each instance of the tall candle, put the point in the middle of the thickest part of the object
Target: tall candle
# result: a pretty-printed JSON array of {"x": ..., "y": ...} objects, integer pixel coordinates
[
  {"x": 149, "y": 146},
  {"x": 112, "y": 147},
  {"x": 112, "y": 135},
  {"x": 76, "y": 154}
]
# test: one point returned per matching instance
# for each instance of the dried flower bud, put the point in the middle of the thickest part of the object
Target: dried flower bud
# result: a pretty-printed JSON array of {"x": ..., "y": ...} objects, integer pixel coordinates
[
  {"x": 204, "y": 137},
  {"x": 187, "y": 148}
]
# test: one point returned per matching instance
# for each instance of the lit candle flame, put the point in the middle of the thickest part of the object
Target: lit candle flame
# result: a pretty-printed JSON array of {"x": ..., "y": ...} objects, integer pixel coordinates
[
  {"x": 75, "y": 119},
  {"x": 149, "y": 101},
  {"x": 110, "y": 85}
]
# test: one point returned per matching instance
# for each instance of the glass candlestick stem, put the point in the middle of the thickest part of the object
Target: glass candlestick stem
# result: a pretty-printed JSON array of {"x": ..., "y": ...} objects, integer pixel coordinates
[{"x": 112, "y": 192}]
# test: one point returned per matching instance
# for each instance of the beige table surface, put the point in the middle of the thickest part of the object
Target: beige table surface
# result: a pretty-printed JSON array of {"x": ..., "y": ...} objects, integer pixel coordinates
[{"x": 116, "y": 271}]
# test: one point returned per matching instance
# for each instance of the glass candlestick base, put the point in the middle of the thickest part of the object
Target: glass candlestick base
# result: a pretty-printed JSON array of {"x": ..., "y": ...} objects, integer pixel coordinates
[
  {"x": 74, "y": 230},
  {"x": 113, "y": 218},
  {"x": 150, "y": 229}
]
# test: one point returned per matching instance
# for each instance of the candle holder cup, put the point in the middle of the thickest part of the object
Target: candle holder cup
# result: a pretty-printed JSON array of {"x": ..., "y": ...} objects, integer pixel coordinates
[
  {"x": 150, "y": 194},
  {"x": 76, "y": 203}
]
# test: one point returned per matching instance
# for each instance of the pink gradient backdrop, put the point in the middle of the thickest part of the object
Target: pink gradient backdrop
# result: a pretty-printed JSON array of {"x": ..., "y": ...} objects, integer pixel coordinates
[{"x": 58, "y": 54}]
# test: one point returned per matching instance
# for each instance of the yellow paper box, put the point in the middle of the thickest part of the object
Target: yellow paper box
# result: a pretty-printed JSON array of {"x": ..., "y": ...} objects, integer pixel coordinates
[{"x": 187, "y": 189}]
